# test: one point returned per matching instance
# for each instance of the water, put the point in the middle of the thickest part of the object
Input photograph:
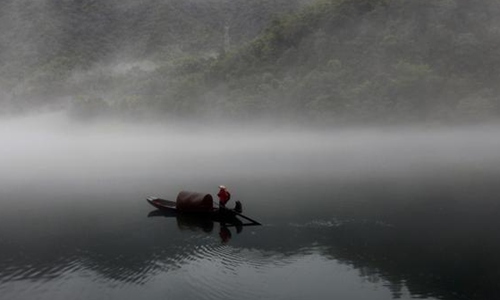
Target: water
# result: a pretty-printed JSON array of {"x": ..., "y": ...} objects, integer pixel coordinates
[{"x": 347, "y": 214}]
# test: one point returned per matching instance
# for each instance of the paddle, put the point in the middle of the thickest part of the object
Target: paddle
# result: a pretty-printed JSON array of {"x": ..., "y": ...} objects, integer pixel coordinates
[
  {"x": 244, "y": 217},
  {"x": 249, "y": 219}
]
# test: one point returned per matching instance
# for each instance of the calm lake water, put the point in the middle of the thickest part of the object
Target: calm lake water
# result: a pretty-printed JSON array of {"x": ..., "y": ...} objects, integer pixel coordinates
[{"x": 347, "y": 214}]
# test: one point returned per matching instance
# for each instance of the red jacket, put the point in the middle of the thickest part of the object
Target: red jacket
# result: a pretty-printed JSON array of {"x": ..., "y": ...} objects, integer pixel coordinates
[{"x": 224, "y": 197}]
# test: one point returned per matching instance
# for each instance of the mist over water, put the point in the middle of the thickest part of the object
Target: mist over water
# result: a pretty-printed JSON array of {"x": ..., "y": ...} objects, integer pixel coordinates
[
  {"x": 286, "y": 102},
  {"x": 53, "y": 151},
  {"x": 345, "y": 205}
]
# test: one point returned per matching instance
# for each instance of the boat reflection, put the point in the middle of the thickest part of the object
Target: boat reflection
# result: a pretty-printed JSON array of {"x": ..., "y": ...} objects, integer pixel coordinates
[
  {"x": 424, "y": 252},
  {"x": 203, "y": 223}
]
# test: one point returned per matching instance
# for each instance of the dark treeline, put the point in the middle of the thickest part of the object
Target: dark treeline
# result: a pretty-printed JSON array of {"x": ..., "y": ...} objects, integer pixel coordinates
[{"x": 326, "y": 60}]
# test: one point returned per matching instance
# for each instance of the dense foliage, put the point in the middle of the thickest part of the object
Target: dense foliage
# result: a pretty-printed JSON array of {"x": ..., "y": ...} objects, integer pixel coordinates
[
  {"x": 326, "y": 60},
  {"x": 374, "y": 60},
  {"x": 55, "y": 49}
]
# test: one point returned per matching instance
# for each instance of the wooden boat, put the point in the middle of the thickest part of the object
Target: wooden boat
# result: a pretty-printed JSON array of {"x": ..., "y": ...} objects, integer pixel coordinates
[
  {"x": 217, "y": 214},
  {"x": 171, "y": 206}
]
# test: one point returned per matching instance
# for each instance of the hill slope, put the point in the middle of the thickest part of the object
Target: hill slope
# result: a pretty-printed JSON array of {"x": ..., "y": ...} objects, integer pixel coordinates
[
  {"x": 366, "y": 60},
  {"x": 331, "y": 61},
  {"x": 45, "y": 44}
]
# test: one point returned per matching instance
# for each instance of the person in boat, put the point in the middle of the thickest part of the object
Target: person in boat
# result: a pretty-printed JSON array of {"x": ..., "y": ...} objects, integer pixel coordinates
[{"x": 224, "y": 196}]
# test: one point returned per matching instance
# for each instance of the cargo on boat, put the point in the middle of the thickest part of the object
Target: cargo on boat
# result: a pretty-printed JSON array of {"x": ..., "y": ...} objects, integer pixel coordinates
[{"x": 194, "y": 202}]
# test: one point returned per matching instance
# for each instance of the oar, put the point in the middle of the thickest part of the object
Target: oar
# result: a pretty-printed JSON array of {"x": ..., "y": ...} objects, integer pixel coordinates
[
  {"x": 249, "y": 219},
  {"x": 243, "y": 216}
]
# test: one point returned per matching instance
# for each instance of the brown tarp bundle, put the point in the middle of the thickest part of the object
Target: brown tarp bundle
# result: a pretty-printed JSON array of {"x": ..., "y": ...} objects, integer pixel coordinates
[{"x": 194, "y": 202}]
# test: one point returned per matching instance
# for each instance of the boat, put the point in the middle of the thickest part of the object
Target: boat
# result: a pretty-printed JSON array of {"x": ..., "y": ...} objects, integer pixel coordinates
[
  {"x": 201, "y": 205},
  {"x": 171, "y": 206}
]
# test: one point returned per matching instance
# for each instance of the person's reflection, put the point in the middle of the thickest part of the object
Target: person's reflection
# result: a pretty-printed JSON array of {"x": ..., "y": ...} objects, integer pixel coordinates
[
  {"x": 224, "y": 233},
  {"x": 196, "y": 223}
]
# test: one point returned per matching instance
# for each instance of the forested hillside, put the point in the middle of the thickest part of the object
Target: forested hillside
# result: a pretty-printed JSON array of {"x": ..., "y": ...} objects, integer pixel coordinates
[
  {"x": 326, "y": 61},
  {"x": 373, "y": 60},
  {"x": 62, "y": 48}
]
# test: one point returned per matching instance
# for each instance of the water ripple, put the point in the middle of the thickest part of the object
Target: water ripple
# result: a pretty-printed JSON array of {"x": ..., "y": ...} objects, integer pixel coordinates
[
  {"x": 37, "y": 271},
  {"x": 213, "y": 271},
  {"x": 334, "y": 223}
]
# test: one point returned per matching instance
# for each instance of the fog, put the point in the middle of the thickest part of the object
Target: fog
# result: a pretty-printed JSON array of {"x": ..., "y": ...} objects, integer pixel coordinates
[
  {"x": 363, "y": 135},
  {"x": 360, "y": 200},
  {"x": 275, "y": 60},
  {"x": 258, "y": 76},
  {"x": 50, "y": 151}
]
